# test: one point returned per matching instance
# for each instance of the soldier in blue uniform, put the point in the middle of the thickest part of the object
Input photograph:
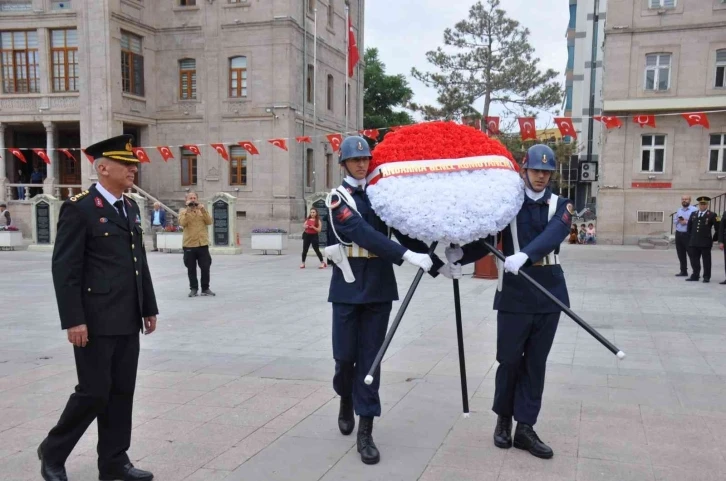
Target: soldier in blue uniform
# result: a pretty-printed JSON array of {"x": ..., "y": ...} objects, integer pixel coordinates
[
  {"x": 362, "y": 289},
  {"x": 526, "y": 319}
]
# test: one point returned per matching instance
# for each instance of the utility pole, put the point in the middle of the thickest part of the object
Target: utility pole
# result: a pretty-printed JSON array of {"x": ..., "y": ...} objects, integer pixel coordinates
[{"x": 593, "y": 76}]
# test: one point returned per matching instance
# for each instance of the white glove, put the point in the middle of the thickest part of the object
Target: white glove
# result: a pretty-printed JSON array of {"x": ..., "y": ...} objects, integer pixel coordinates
[
  {"x": 514, "y": 262},
  {"x": 450, "y": 271},
  {"x": 419, "y": 260},
  {"x": 454, "y": 254}
]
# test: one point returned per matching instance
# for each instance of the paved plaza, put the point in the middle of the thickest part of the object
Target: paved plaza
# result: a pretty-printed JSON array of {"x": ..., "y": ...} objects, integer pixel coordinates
[{"x": 238, "y": 387}]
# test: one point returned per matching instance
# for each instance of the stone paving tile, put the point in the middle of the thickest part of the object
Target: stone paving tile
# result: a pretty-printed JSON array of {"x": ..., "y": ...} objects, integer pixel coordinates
[{"x": 255, "y": 400}]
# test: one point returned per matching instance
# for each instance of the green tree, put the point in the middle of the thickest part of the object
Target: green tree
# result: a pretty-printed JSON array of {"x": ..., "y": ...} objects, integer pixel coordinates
[
  {"x": 491, "y": 59},
  {"x": 383, "y": 93}
]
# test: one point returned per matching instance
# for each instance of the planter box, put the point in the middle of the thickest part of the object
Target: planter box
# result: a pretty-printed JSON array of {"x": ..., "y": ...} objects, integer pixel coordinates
[
  {"x": 10, "y": 239},
  {"x": 269, "y": 242},
  {"x": 169, "y": 241}
]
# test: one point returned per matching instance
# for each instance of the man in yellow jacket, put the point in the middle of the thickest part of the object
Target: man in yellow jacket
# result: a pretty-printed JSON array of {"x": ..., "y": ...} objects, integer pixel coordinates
[{"x": 195, "y": 219}]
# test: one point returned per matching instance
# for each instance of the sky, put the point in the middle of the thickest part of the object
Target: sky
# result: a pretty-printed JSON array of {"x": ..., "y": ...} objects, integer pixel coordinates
[{"x": 403, "y": 31}]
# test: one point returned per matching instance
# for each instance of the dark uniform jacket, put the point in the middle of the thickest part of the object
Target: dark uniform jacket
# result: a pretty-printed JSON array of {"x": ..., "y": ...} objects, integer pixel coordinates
[
  {"x": 537, "y": 237},
  {"x": 700, "y": 229},
  {"x": 100, "y": 272},
  {"x": 722, "y": 229},
  {"x": 374, "y": 278}
]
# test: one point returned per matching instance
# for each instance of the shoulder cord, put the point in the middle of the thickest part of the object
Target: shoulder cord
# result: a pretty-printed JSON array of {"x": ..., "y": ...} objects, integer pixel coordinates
[{"x": 350, "y": 202}]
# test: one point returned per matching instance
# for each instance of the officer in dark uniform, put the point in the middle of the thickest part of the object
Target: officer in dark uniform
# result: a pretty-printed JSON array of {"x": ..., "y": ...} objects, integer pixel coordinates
[
  {"x": 526, "y": 319},
  {"x": 700, "y": 232},
  {"x": 722, "y": 239},
  {"x": 361, "y": 308},
  {"x": 105, "y": 297}
]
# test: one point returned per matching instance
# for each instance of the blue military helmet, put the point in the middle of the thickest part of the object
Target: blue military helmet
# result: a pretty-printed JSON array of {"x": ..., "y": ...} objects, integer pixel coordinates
[
  {"x": 539, "y": 157},
  {"x": 353, "y": 147}
]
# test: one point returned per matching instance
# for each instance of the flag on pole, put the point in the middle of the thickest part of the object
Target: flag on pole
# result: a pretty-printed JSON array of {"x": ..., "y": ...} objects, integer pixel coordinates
[{"x": 353, "y": 54}]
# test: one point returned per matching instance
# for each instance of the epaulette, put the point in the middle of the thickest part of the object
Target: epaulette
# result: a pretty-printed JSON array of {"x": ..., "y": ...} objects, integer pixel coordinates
[{"x": 78, "y": 197}]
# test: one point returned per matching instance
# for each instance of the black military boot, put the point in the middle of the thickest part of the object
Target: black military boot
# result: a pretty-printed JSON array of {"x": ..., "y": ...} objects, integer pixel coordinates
[
  {"x": 525, "y": 438},
  {"x": 346, "y": 419},
  {"x": 366, "y": 447},
  {"x": 48, "y": 471},
  {"x": 503, "y": 432}
]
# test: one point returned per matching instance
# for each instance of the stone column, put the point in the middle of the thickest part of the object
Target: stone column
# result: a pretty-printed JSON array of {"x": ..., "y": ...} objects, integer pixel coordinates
[
  {"x": 52, "y": 170},
  {"x": 3, "y": 172}
]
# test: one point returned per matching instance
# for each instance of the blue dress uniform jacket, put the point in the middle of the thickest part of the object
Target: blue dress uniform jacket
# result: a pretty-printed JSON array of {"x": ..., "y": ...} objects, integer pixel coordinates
[
  {"x": 537, "y": 237},
  {"x": 374, "y": 277},
  {"x": 100, "y": 272}
]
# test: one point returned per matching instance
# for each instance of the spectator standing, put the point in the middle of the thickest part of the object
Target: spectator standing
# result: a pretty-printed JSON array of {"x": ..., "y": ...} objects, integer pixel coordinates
[
  {"x": 722, "y": 239},
  {"x": 22, "y": 179},
  {"x": 36, "y": 178},
  {"x": 680, "y": 222},
  {"x": 158, "y": 221},
  {"x": 313, "y": 226},
  {"x": 5, "y": 219},
  {"x": 195, "y": 241}
]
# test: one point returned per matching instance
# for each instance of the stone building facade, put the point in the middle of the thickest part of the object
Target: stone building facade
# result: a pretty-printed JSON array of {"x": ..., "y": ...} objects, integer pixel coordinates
[
  {"x": 661, "y": 57},
  {"x": 176, "y": 72}
]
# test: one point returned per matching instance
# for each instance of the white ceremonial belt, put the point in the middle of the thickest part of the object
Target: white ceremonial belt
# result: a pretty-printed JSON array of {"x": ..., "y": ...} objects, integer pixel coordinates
[
  {"x": 548, "y": 260},
  {"x": 354, "y": 250}
]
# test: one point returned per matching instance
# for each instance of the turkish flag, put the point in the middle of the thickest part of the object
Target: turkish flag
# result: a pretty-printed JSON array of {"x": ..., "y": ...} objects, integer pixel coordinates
[
  {"x": 303, "y": 139},
  {"x": 17, "y": 153},
  {"x": 249, "y": 147},
  {"x": 372, "y": 134},
  {"x": 90, "y": 159},
  {"x": 68, "y": 154},
  {"x": 42, "y": 154},
  {"x": 698, "y": 118},
  {"x": 644, "y": 120},
  {"x": 282, "y": 143},
  {"x": 221, "y": 150},
  {"x": 567, "y": 129},
  {"x": 493, "y": 125},
  {"x": 335, "y": 140},
  {"x": 353, "y": 54},
  {"x": 165, "y": 153},
  {"x": 140, "y": 154},
  {"x": 610, "y": 122},
  {"x": 527, "y": 129},
  {"x": 194, "y": 149}
]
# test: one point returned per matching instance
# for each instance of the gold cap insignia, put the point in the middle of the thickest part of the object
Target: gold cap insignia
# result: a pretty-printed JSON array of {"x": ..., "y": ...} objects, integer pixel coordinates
[
  {"x": 129, "y": 147},
  {"x": 544, "y": 159}
]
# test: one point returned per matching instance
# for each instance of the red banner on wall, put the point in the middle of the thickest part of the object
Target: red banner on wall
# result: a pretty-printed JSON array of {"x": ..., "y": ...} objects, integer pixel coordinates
[{"x": 651, "y": 185}]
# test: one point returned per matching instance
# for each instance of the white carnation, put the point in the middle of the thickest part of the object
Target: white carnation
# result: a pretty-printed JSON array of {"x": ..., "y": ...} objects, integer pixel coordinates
[{"x": 451, "y": 207}]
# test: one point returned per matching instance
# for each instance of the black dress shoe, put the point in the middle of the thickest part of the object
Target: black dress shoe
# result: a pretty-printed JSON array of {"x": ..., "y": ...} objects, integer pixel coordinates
[
  {"x": 49, "y": 472},
  {"x": 193, "y": 292},
  {"x": 366, "y": 447},
  {"x": 722, "y": 283},
  {"x": 682, "y": 274},
  {"x": 127, "y": 473},
  {"x": 346, "y": 418},
  {"x": 503, "y": 432},
  {"x": 692, "y": 279},
  {"x": 706, "y": 281},
  {"x": 525, "y": 438}
]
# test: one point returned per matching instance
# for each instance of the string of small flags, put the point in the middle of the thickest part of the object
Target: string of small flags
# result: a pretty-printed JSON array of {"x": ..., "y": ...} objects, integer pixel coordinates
[{"x": 527, "y": 131}]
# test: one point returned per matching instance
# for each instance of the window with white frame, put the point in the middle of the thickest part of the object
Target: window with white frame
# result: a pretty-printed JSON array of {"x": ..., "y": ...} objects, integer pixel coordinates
[
  {"x": 657, "y": 71},
  {"x": 717, "y": 153},
  {"x": 652, "y": 153},
  {"x": 662, "y": 3},
  {"x": 721, "y": 67}
]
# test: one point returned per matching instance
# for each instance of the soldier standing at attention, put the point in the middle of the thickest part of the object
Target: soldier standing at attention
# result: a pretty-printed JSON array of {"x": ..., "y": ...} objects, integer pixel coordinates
[
  {"x": 722, "y": 239},
  {"x": 362, "y": 306},
  {"x": 526, "y": 319},
  {"x": 700, "y": 229},
  {"x": 105, "y": 297}
]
